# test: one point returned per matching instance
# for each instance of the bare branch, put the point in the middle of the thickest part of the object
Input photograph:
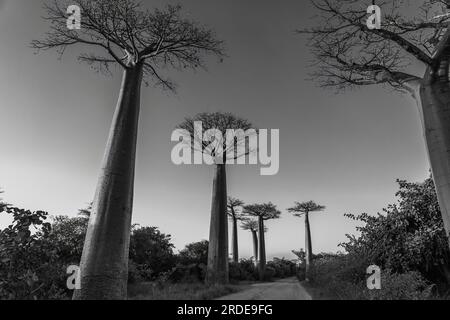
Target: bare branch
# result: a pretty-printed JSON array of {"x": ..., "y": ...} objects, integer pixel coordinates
[
  {"x": 349, "y": 54},
  {"x": 131, "y": 35}
]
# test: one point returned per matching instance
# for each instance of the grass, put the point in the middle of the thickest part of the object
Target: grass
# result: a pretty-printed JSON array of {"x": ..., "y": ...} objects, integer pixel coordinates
[
  {"x": 179, "y": 291},
  {"x": 316, "y": 293}
]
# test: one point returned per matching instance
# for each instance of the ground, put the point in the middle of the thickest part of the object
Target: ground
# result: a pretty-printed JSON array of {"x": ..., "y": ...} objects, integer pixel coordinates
[{"x": 285, "y": 289}]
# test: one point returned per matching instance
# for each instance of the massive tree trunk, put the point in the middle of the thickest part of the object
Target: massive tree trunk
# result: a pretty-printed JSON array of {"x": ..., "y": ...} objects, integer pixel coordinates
[
  {"x": 255, "y": 246},
  {"x": 434, "y": 105},
  {"x": 235, "y": 241},
  {"x": 104, "y": 263},
  {"x": 262, "y": 250},
  {"x": 308, "y": 245},
  {"x": 217, "y": 270}
]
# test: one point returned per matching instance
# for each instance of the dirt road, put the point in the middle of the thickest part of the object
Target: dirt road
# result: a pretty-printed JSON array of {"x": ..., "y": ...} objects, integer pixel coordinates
[{"x": 286, "y": 289}]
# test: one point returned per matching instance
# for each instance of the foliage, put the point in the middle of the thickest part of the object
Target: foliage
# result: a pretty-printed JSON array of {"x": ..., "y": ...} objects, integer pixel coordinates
[
  {"x": 409, "y": 235},
  {"x": 195, "y": 272},
  {"x": 250, "y": 225},
  {"x": 301, "y": 255},
  {"x": 408, "y": 242},
  {"x": 194, "y": 253},
  {"x": 305, "y": 207},
  {"x": 225, "y": 148},
  {"x": 233, "y": 205},
  {"x": 282, "y": 268},
  {"x": 343, "y": 277},
  {"x": 151, "y": 251},
  {"x": 67, "y": 236},
  {"x": 30, "y": 268},
  {"x": 35, "y": 254},
  {"x": 244, "y": 270},
  {"x": 266, "y": 210}
]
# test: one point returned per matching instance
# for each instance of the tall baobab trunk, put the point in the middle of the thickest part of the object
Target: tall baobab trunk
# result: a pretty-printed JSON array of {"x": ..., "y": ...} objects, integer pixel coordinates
[
  {"x": 104, "y": 263},
  {"x": 262, "y": 249},
  {"x": 434, "y": 105},
  {"x": 255, "y": 245},
  {"x": 308, "y": 245},
  {"x": 235, "y": 241},
  {"x": 217, "y": 270}
]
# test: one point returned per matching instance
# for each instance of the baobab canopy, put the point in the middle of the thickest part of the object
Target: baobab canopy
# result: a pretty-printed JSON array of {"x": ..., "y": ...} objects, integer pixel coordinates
[{"x": 126, "y": 34}]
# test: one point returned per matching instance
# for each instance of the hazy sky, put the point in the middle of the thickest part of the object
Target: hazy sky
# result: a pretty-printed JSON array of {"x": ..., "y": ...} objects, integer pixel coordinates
[{"x": 343, "y": 151}]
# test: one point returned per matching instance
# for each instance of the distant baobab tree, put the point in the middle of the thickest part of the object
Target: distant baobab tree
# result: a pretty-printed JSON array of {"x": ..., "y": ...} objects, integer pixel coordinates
[
  {"x": 142, "y": 43},
  {"x": 263, "y": 212},
  {"x": 217, "y": 151},
  {"x": 86, "y": 212},
  {"x": 233, "y": 212},
  {"x": 305, "y": 208},
  {"x": 252, "y": 226},
  {"x": 301, "y": 254},
  {"x": 349, "y": 54}
]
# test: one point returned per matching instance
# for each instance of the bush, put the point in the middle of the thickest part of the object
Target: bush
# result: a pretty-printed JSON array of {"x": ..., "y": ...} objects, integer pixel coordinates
[
  {"x": 30, "y": 267},
  {"x": 344, "y": 277},
  {"x": 405, "y": 286},
  {"x": 151, "y": 251},
  {"x": 194, "y": 253},
  {"x": 245, "y": 270},
  {"x": 282, "y": 268},
  {"x": 187, "y": 273}
]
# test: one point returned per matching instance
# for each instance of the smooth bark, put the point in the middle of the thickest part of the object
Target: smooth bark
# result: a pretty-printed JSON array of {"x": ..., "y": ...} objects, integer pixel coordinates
[
  {"x": 234, "y": 240},
  {"x": 217, "y": 270},
  {"x": 104, "y": 262},
  {"x": 255, "y": 246},
  {"x": 262, "y": 249},
  {"x": 434, "y": 105},
  {"x": 308, "y": 245}
]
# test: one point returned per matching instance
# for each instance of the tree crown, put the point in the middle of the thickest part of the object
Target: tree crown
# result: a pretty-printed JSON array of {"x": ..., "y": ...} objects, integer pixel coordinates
[
  {"x": 233, "y": 205},
  {"x": 219, "y": 148},
  {"x": 305, "y": 207},
  {"x": 267, "y": 211},
  {"x": 251, "y": 225},
  {"x": 349, "y": 54},
  {"x": 128, "y": 35}
]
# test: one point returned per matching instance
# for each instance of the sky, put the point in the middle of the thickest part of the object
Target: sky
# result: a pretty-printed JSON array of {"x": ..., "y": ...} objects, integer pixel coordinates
[{"x": 343, "y": 151}]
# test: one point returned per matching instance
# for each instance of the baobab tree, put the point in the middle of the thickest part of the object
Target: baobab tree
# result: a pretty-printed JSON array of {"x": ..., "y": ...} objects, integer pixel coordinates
[
  {"x": 263, "y": 212},
  {"x": 218, "y": 148},
  {"x": 234, "y": 206},
  {"x": 305, "y": 208},
  {"x": 141, "y": 43},
  {"x": 252, "y": 226},
  {"x": 350, "y": 54}
]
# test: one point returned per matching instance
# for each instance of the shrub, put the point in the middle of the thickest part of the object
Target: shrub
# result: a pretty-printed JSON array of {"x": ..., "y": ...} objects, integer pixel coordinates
[
  {"x": 194, "y": 253},
  {"x": 245, "y": 270},
  {"x": 151, "y": 251},
  {"x": 282, "y": 268},
  {"x": 187, "y": 273},
  {"x": 405, "y": 286},
  {"x": 30, "y": 267},
  {"x": 344, "y": 277}
]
